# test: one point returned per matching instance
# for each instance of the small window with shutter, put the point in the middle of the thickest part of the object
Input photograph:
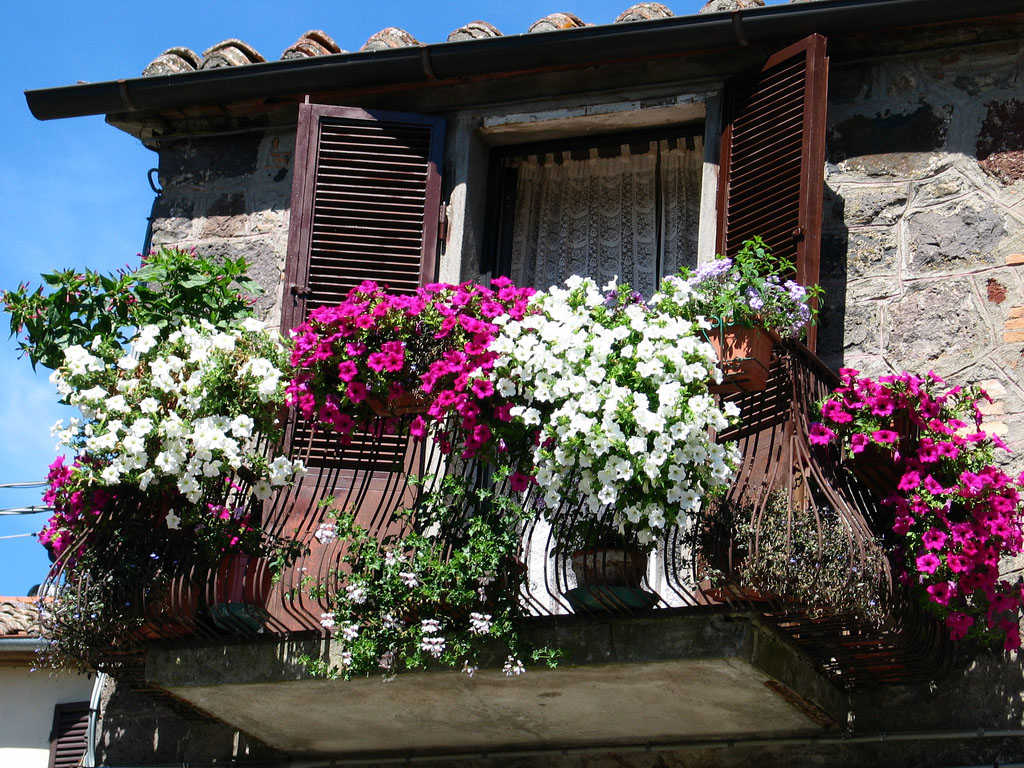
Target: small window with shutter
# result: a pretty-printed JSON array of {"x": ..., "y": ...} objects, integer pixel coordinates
[{"x": 68, "y": 737}]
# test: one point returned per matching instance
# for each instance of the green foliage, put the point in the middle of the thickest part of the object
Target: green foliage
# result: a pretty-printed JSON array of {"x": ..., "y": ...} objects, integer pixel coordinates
[
  {"x": 100, "y": 311},
  {"x": 445, "y": 593},
  {"x": 802, "y": 556}
]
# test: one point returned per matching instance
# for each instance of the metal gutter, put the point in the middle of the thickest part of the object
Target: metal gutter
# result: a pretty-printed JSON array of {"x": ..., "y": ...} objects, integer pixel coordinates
[
  {"x": 21, "y": 644},
  {"x": 504, "y": 56}
]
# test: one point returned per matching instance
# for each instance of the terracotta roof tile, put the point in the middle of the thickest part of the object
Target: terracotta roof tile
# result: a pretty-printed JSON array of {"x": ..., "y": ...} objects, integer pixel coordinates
[
  {"x": 233, "y": 53},
  {"x": 718, "y": 6},
  {"x": 19, "y": 617},
  {"x": 556, "y": 21},
  {"x": 314, "y": 43},
  {"x": 475, "y": 30},
  {"x": 230, "y": 53},
  {"x": 392, "y": 37},
  {"x": 172, "y": 61},
  {"x": 644, "y": 12}
]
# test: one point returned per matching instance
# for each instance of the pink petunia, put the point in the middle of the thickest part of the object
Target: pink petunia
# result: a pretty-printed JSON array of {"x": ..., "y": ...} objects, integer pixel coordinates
[
  {"x": 859, "y": 442},
  {"x": 885, "y": 436},
  {"x": 933, "y": 538},
  {"x": 928, "y": 563},
  {"x": 820, "y": 434}
]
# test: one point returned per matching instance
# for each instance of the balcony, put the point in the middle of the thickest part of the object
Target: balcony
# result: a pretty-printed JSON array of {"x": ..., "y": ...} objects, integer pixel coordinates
[{"x": 709, "y": 659}]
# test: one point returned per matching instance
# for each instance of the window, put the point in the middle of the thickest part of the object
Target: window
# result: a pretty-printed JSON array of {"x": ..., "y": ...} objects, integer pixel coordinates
[{"x": 625, "y": 206}]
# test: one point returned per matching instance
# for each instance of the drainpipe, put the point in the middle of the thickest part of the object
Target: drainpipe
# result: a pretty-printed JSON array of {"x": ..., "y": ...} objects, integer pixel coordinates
[{"x": 94, "y": 710}]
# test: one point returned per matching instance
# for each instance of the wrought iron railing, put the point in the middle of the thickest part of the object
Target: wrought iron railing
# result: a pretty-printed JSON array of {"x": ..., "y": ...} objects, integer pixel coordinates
[{"x": 699, "y": 569}]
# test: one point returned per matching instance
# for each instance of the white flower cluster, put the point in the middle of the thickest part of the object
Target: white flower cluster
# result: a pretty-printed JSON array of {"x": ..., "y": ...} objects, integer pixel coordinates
[
  {"x": 174, "y": 411},
  {"x": 618, "y": 390}
]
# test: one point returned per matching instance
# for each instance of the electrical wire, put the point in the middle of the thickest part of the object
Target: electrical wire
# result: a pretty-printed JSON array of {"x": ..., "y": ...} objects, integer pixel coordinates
[
  {"x": 16, "y": 536},
  {"x": 32, "y": 484},
  {"x": 34, "y": 510}
]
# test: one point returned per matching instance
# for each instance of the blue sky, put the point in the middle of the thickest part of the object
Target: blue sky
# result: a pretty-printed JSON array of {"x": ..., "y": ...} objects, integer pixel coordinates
[{"x": 75, "y": 192}]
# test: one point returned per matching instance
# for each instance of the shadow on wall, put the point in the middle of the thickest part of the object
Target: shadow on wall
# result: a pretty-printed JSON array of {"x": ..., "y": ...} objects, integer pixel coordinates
[
  {"x": 833, "y": 278},
  {"x": 140, "y": 729}
]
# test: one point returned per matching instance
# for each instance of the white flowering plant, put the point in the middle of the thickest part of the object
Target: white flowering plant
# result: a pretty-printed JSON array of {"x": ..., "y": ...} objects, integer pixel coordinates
[
  {"x": 617, "y": 391},
  {"x": 187, "y": 418},
  {"x": 443, "y": 594}
]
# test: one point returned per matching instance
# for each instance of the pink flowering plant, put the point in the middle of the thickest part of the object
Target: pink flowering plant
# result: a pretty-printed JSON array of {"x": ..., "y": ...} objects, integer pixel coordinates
[
  {"x": 957, "y": 514},
  {"x": 382, "y": 354}
]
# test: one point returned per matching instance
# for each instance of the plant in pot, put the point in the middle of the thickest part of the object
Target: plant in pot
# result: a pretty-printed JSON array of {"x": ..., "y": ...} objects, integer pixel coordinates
[
  {"x": 383, "y": 354},
  {"x": 616, "y": 393},
  {"x": 445, "y": 593},
  {"x": 746, "y": 299},
  {"x": 956, "y": 513},
  {"x": 175, "y": 439},
  {"x": 807, "y": 556}
]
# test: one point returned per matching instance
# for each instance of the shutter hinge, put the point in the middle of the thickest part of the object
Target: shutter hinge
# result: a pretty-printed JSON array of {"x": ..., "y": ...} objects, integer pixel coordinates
[
  {"x": 797, "y": 234},
  {"x": 300, "y": 290},
  {"x": 442, "y": 223}
]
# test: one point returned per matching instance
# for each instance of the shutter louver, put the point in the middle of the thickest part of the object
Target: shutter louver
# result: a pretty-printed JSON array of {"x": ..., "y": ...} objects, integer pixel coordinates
[
  {"x": 365, "y": 206},
  {"x": 773, "y": 156},
  {"x": 68, "y": 740}
]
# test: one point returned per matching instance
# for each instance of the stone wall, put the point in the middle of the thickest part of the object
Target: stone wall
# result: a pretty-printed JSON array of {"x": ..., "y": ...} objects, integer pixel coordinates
[
  {"x": 229, "y": 196},
  {"x": 924, "y": 223}
]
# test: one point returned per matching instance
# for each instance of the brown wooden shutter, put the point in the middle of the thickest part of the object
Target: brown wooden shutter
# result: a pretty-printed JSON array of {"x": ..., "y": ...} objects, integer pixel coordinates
[
  {"x": 366, "y": 203},
  {"x": 773, "y": 157},
  {"x": 68, "y": 739}
]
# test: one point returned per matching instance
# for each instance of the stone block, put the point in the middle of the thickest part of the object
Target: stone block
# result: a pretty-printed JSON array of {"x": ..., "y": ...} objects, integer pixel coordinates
[
  {"x": 173, "y": 218},
  {"x": 939, "y": 189},
  {"x": 1015, "y": 259},
  {"x": 873, "y": 205},
  {"x": 1012, "y": 337},
  {"x": 226, "y": 216},
  {"x": 935, "y": 325},
  {"x": 200, "y": 161},
  {"x": 896, "y": 145},
  {"x": 859, "y": 253},
  {"x": 964, "y": 238}
]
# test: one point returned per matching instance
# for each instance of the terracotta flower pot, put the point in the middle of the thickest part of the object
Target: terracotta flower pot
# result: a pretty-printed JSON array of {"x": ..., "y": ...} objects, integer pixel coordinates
[
  {"x": 241, "y": 591},
  {"x": 745, "y": 357},
  {"x": 609, "y": 579}
]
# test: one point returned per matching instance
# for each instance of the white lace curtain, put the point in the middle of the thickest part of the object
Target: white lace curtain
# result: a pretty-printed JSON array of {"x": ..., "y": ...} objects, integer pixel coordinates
[{"x": 634, "y": 216}]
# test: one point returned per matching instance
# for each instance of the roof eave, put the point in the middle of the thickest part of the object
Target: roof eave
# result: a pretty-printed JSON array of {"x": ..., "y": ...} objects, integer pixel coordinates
[{"x": 457, "y": 61}]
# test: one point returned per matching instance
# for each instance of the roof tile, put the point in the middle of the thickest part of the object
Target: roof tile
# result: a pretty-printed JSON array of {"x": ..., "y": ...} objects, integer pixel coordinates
[
  {"x": 314, "y": 43},
  {"x": 475, "y": 30},
  {"x": 172, "y": 61},
  {"x": 230, "y": 53},
  {"x": 19, "y": 617},
  {"x": 644, "y": 12},
  {"x": 556, "y": 21},
  {"x": 720, "y": 6},
  {"x": 392, "y": 37}
]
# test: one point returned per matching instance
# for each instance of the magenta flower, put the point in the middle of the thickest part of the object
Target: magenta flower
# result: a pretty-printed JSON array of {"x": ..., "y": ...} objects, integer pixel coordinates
[
  {"x": 885, "y": 436},
  {"x": 859, "y": 442},
  {"x": 928, "y": 563},
  {"x": 820, "y": 434},
  {"x": 933, "y": 538},
  {"x": 910, "y": 480},
  {"x": 835, "y": 413}
]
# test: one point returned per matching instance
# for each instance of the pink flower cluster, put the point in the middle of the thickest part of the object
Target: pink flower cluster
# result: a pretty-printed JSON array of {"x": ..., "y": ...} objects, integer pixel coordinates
[
  {"x": 379, "y": 352},
  {"x": 75, "y": 508},
  {"x": 956, "y": 512}
]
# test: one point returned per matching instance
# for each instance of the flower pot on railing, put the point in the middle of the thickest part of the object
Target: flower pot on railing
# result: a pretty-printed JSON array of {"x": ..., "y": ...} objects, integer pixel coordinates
[
  {"x": 744, "y": 355},
  {"x": 609, "y": 579},
  {"x": 171, "y": 612},
  {"x": 241, "y": 591}
]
